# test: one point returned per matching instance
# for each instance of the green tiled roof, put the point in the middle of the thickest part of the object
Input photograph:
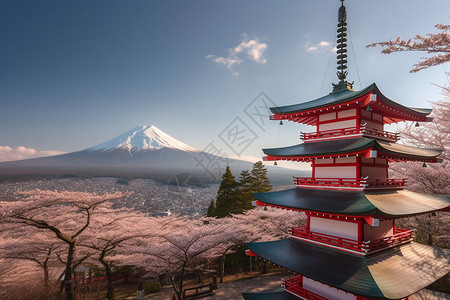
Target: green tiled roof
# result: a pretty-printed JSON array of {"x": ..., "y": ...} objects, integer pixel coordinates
[
  {"x": 343, "y": 146},
  {"x": 342, "y": 97},
  {"x": 393, "y": 274},
  {"x": 391, "y": 203},
  {"x": 269, "y": 296}
]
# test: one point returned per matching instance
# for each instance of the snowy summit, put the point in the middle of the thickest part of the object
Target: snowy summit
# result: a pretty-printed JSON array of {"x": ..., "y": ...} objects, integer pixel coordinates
[{"x": 144, "y": 137}]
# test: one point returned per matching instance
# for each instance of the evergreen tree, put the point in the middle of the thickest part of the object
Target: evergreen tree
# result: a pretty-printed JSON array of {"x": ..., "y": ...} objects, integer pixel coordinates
[
  {"x": 245, "y": 195},
  {"x": 227, "y": 196},
  {"x": 260, "y": 182},
  {"x": 211, "y": 209}
]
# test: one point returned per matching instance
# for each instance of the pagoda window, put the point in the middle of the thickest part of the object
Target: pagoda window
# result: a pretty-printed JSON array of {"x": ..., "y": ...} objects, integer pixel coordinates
[
  {"x": 337, "y": 125},
  {"x": 346, "y": 113},
  {"x": 335, "y": 172},
  {"x": 325, "y": 290},
  {"x": 371, "y": 120},
  {"x": 374, "y": 172},
  {"x": 347, "y": 230},
  {"x": 345, "y": 160},
  {"x": 384, "y": 229},
  {"x": 323, "y": 161},
  {"x": 327, "y": 117}
]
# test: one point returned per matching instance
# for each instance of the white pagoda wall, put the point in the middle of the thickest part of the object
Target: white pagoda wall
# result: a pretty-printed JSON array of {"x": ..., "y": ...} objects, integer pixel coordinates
[
  {"x": 334, "y": 227},
  {"x": 337, "y": 117},
  {"x": 386, "y": 228},
  {"x": 326, "y": 290},
  {"x": 371, "y": 119},
  {"x": 335, "y": 172},
  {"x": 337, "y": 125},
  {"x": 373, "y": 172}
]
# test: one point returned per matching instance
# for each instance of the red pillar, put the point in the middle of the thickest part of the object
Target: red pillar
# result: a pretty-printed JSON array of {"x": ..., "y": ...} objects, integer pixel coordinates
[{"x": 360, "y": 230}]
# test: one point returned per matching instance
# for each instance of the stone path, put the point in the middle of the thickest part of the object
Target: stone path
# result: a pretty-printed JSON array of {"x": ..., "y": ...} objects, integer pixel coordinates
[{"x": 230, "y": 290}]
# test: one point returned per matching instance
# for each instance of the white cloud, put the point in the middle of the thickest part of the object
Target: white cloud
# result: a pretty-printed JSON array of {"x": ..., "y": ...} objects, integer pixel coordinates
[
  {"x": 247, "y": 49},
  {"x": 323, "y": 45},
  {"x": 8, "y": 153}
]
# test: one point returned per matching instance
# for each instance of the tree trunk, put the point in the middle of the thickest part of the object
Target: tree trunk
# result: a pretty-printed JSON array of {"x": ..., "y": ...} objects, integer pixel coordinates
[
  {"x": 68, "y": 272},
  {"x": 181, "y": 296},
  {"x": 264, "y": 271},
  {"x": 109, "y": 277},
  {"x": 178, "y": 292},
  {"x": 222, "y": 267},
  {"x": 46, "y": 278}
]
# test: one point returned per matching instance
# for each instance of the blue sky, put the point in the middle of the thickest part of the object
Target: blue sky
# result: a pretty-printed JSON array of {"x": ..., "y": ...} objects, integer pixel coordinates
[{"x": 75, "y": 74}]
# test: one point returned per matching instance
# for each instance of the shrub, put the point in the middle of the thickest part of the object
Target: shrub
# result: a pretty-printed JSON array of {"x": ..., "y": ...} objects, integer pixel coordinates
[{"x": 152, "y": 287}]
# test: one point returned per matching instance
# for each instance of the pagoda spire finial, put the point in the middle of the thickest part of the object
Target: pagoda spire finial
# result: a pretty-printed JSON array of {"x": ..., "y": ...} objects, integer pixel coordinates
[{"x": 342, "y": 51}]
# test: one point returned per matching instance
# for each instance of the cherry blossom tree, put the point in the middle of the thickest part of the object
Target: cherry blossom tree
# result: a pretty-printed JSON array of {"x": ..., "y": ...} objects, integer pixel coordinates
[
  {"x": 434, "y": 177},
  {"x": 257, "y": 224},
  {"x": 437, "y": 44},
  {"x": 116, "y": 233},
  {"x": 36, "y": 247},
  {"x": 182, "y": 246},
  {"x": 64, "y": 214}
]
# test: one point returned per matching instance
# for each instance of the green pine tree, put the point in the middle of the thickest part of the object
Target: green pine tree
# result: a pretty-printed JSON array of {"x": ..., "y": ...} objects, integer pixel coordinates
[
  {"x": 227, "y": 196},
  {"x": 260, "y": 182},
  {"x": 211, "y": 209},
  {"x": 245, "y": 195}
]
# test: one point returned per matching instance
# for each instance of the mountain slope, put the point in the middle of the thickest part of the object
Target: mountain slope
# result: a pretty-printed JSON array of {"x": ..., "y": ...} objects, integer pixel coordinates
[{"x": 143, "y": 151}]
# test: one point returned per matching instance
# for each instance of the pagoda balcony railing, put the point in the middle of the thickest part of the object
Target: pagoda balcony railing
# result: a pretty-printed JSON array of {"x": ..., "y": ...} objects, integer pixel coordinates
[
  {"x": 350, "y": 131},
  {"x": 350, "y": 183},
  {"x": 293, "y": 285},
  {"x": 400, "y": 236}
]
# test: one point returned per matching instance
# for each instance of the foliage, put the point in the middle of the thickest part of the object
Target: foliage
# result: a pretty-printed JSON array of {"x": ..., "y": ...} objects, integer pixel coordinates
[
  {"x": 211, "y": 209},
  {"x": 152, "y": 287},
  {"x": 236, "y": 197},
  {"x": 437, "y": 44},
  {"x": 431, "y": 229},
  {"x": 227, "y": 195},
  {"x": 433, "y": 178},
  {"x": 65, "y": 215},
  {"x": 260, "y": 183}
]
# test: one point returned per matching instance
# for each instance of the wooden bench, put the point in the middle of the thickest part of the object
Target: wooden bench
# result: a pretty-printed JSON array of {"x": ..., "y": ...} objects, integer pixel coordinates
[{"x": 198, "y": 291}]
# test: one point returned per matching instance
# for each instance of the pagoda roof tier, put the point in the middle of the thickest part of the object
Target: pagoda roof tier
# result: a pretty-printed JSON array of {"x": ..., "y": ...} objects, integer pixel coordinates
[
  {"x": 424, "y": 294},
  {"x": 351, "y": 146},
  {"x": 383, "y": 204},
  {"x": 279, "y": 295},
  {"x": 392, "y": 111},
  {"x": 392, "y": 274}
]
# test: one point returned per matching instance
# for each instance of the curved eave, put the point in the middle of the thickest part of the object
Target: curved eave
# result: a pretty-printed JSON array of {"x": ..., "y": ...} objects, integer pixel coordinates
[
  {"x": 351, "y": 146},
  {"x": 351, "y": 203},
  {"x": 331, "y": 99},
  {"x": 282, "y": 295},
  {"x": 393, "y": 111},
  {"x": 382, "y": 204},
  {"x": 394, "y": 274}
]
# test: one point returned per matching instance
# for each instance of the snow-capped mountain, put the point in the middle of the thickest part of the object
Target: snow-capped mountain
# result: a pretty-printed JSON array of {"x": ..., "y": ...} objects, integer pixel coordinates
[
  {"x": 142, "y": 151},
  {"x": 143, "y": 137}
]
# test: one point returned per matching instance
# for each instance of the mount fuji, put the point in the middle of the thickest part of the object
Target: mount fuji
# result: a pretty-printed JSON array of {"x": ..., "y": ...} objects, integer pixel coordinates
[
  {"x": 144, "y": 151},
  {"x": 144, "y": 137}
]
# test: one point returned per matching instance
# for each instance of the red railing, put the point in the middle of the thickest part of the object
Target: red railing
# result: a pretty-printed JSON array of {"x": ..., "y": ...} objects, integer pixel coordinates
[
  {"x": 293, "y": 285},
  {"x": 340, "y": 242},
  {"x": 333, "y": 133},
  {"x": 351, "y": 182},
  {"x": 400, "y": 236}
]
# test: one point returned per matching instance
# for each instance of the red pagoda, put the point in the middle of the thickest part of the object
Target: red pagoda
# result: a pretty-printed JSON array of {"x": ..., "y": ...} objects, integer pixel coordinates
[{"x": 350, "y": 247}]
